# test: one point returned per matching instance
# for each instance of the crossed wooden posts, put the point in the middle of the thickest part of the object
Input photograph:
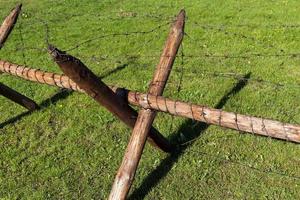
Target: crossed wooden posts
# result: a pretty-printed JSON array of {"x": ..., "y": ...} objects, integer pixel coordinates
[
  {"x": 141, "y": 123},
  {"x": 235, "y": 121},
  {"x": 146, "y": 116},
  {"x": 79, "y": 77},
  {"x": 5, "y": 30}
]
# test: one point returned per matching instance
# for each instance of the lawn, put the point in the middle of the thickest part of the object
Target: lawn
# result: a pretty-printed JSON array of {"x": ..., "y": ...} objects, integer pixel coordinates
[{"x": 72, "y": 147}]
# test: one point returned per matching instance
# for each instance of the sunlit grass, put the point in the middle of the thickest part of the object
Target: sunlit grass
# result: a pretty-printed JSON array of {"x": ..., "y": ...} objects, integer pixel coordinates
[{"x": 72, "y": 147}]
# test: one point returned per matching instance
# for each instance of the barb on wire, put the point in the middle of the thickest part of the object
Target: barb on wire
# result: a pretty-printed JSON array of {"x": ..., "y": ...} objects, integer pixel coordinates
[
  {"x": 226, "y": 160},
  {"x": 238, "y": 76},
  {"x": 249, "y": 26},
  {"x": 118, "y": 34}
]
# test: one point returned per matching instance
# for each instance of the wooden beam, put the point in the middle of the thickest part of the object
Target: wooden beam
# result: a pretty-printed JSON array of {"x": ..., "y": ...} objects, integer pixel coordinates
[
  {"x": 5, "y": 30},
  {"x": 101, "y": 93},
  {"x": 17, "y": 97},
  {"x": 239, "y": 122},
  {"x": 127, "y": 170},
  {"x": 37, "y": 75},
  {"x": 8, "y": 24}
]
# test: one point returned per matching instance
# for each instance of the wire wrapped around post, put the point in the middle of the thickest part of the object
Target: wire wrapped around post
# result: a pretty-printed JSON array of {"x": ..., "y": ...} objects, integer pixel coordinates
[
  {"x": 101, "y": 93},
  {"x": 134, "y": 150},
  {"x": 246, "y": 123}
]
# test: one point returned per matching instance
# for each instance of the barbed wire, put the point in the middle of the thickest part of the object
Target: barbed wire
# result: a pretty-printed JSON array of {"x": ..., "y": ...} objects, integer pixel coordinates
[
  {"x": 184, "y": 57},
  {"x": 45, "y": 25},
  {"x": 226, "y": 160},
  {"x": 191, "y": 72},
  {"x": 249, "y": 55},
  {"x": 248, "y": 26},
  {"x": 237, "y": 76},
  {"x": 133, "y": 15}
]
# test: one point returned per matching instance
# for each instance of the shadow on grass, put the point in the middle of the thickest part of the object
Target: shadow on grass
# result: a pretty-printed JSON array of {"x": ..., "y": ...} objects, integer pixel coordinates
[
  {"x": 191, "y": 130},
  {"x": 62, "y": 94}
]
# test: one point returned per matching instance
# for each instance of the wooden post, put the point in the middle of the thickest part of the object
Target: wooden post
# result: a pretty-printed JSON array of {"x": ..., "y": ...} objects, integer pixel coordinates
[
  {"x": 93, "y": 86},
  {"x": 239, "y": 122},
  {"x": 245, "y": 123},
  {"x": 5, "y": 30},
  {"x": 17, "y": 97},
  {"x": 8, "y": 24},
  {"x": 126, "y": 172},
  {"x": 40, "y": 76}
]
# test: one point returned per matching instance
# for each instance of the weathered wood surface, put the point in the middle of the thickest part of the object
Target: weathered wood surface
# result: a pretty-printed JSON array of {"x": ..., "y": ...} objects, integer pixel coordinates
[
  {"x": 127, "y": 170},
  {"x": 5, "y": 30},
  {"x": 244, "y": 123},
  {"x": 8, "y": 24},
  {"x": 17, "y": 97},
  {"x": 100, "y": 92},
  {"x": 40, "y": 76}
]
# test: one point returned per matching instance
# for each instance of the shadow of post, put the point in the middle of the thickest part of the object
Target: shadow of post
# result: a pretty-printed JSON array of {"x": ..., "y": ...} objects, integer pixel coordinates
[
  {"x": 62, "y": 94},
  {"x": 192, "y": 130}
]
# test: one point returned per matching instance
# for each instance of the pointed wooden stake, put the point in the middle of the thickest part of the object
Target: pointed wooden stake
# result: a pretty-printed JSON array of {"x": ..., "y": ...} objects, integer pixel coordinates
[
  {"x": 126, "y": 172},
  {"x": 8, "y": 24},
  {"x": 92, "y": 85}
]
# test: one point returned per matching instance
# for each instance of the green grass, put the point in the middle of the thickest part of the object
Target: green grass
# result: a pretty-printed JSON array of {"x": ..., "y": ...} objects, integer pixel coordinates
[{"x": 71, "y": 149}]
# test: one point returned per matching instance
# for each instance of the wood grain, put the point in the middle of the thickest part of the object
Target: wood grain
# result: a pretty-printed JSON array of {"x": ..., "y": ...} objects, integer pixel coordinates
[
  {"x": 8, "y": 24},
  {"x": 5, "y": 30},
  {"x": 127, "y": 170},
  {"x": 101, "y": 93},
  {"x": 244, "y": 123}
]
